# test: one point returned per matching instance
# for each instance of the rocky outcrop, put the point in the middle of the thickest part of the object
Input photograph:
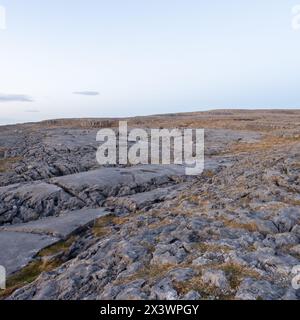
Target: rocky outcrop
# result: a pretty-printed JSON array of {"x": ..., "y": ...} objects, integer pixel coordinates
[
  {"x": 215, "y": 240},
  {"x": 26, "y": 202},
  {"x": 19, "y": 244},
  {"x": 150, "y": 232}
]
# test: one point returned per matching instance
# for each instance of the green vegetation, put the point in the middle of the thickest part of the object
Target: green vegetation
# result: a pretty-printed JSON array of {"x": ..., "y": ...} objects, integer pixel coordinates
[
  {"x": 61, "y": 246},
  {"x": 41, "y": 264}
]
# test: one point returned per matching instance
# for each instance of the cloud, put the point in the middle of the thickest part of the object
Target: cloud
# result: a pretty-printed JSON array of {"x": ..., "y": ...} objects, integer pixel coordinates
[
  {"x": 15, "y": 98},
  {"x": 87, "y": 93},
  {"x": 32, "y": 111}
]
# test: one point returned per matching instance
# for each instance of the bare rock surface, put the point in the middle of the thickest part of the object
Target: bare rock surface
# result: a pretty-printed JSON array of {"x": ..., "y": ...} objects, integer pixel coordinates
[
  {"x": 32, "y": 201},
  {"x": 60, "y": 227},
  {"x": 26, "y": 202},
  {"x": 20, "y": 243},
  {"x": 23, "y": 203},
  {"x": 231, "y": 233},
  {"x": 144, "y": 199},
  {"x": 37, "y": 152},
  {"x": 18, "y": 248},
  {"x": 152, "y": 254}
]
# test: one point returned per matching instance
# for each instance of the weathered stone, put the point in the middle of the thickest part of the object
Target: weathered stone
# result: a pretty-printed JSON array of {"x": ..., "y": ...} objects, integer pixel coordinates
[
  {"x": 296, "y": 250},
  {"x": 168, "y": 233},
  {"x": 181, "y": 274},
  {"x": 132, "y": 291},
  {"x": 266, "y": 227},
  {"x": 62, "y": 226},
  {"x": 251, "y": 289},
  {"x": 287, "y": 219},
  {"x": 164, "y": 290},
  {"x": 18, "y": 248},
  {"x": 169, "y": 254},
  {"x": 192, "y": 295},
  {"x": 216, "y": 278},
  {"x": 200, "y": 261}
]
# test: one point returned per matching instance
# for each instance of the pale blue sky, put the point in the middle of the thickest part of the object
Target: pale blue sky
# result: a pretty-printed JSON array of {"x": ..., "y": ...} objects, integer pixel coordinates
[{"x": 95, "y": 58}]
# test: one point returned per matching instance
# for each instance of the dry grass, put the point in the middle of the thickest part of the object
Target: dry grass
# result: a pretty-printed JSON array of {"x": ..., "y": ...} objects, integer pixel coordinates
[
  {"x": 251, "y": 226},
  {"x": 273, "y": 207},
  {"x": 208, "y": 247},
  {"x": 202, "y": 288},
  {"x": 102, "y": 226},
  {"x": 155, "y": 271},
  {"x": 160, "y": 223},
  {"x": 254, "y": 120},
  {"x": 151, "y": 272},
  {"x": 292, "y": 202},
  {"x": 120, "y": 220},
  {"x": 208, "y": 173},
  {"x": 6, "y": 164},
  {"x": 267, "y": 143},
  {"x": 235, "y": 273}
]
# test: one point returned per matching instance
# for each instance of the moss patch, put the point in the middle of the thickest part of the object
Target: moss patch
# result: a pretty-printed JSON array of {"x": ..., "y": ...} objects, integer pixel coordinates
[
  {"x": 101, "y": 226},
  {"x": 27, "y": 275},
  {"x": 33, "y": 270},
  {"x": 61, "y": 246}
]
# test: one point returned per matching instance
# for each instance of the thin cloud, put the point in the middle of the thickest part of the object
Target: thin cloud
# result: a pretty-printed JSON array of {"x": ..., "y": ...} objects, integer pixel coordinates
[
  {"x": 87, "y": 93},
  {"x": 32, "y": 111},
  {"x": 15, "y": 98}
]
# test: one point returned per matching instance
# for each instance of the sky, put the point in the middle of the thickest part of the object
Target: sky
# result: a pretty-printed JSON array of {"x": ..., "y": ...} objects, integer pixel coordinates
[{"x": 107, "y": 58}]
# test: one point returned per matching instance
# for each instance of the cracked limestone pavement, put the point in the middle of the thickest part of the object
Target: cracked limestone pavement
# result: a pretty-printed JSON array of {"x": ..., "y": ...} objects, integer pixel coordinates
[{"x": 233, "y": 233}]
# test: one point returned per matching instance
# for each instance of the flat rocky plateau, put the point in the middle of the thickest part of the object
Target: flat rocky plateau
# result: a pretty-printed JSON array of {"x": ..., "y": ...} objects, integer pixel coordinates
[{"x": 72, "y": 229}]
